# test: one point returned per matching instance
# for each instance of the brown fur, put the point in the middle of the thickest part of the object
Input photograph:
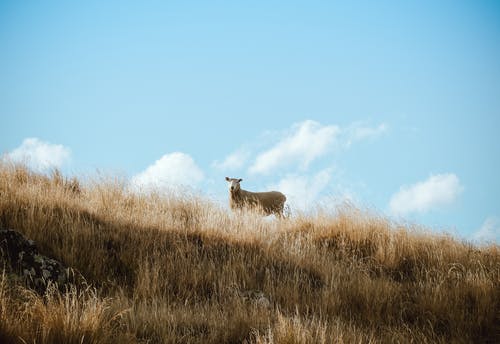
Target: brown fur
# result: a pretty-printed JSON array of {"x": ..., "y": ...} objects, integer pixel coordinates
[{"x": 271, "y": 202}]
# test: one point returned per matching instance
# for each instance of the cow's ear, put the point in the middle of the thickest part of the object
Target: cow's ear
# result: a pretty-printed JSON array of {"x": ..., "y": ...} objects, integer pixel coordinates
[
  {"x": 227, "y": 179},
  {"x": 240, "y": 180}
]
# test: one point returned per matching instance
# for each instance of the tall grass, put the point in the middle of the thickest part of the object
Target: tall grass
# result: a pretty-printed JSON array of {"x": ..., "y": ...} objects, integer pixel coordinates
[{"x": 181, "y": 269}]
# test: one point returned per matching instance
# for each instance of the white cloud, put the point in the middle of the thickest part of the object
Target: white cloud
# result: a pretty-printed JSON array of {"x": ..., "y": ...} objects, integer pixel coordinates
[
  {"x": 437, "y": 191},
  {"x": 303, "y": 191},
  {"x": 39, "y": 155},
  {"x": 233, "y": 161},
  {"x": 489, "y": 231},
  {"x": 171, "y": 170},
  {"x": 358, "y": 132},
  {"x": 305, "y": 142}
]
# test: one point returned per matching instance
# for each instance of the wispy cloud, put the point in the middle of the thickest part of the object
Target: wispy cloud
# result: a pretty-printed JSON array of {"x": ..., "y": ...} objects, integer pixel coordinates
[
  {"x": 296, "y": 147},
  {"x": 489, "y": 231},
  {"x": 40, "y": 155},
  {"x": 171, "y": 170},
  {"x": 234, "y": 161},
  {"x": 304, "y": 142},
  {"x": 302, "y": 190},
  {"x": 437, "y": 191},
  {"x": 359, "y": 131}
]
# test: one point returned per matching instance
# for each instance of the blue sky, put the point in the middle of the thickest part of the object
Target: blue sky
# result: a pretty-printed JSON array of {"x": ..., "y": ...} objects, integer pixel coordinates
[{"x": 392, "y": 104}]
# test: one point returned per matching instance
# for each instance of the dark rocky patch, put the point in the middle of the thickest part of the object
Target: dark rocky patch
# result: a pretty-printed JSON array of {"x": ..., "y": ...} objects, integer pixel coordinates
[{"x": 20, "y": 256}]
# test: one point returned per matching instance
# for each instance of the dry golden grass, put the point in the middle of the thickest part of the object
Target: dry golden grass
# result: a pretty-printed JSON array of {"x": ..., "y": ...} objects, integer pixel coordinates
[{"x": 180, "y": 269}]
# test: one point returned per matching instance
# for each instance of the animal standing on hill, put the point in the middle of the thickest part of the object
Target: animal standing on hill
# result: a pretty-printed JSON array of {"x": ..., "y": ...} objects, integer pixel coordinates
[{"x": 271, "y": 202}]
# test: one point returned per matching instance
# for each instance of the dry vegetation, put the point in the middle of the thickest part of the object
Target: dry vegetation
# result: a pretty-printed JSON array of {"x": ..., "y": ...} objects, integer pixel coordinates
[{"x": 181, "y": 269}]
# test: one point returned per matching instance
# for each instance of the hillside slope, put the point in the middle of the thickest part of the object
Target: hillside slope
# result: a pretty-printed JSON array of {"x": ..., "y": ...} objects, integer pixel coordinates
[{"x": 180, "y": 269}]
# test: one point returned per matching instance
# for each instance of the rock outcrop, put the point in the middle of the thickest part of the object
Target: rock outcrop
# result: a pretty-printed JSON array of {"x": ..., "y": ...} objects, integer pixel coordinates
[{"x": 20, "y": 256}]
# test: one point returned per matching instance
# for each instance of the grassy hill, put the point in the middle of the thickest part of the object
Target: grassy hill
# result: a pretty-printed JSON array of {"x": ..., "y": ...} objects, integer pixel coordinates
[{"x": 180, "y": 269}]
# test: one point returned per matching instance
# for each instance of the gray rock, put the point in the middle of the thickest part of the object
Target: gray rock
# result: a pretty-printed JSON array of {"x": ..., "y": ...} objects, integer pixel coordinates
[{"x": 21, "y": 257}]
